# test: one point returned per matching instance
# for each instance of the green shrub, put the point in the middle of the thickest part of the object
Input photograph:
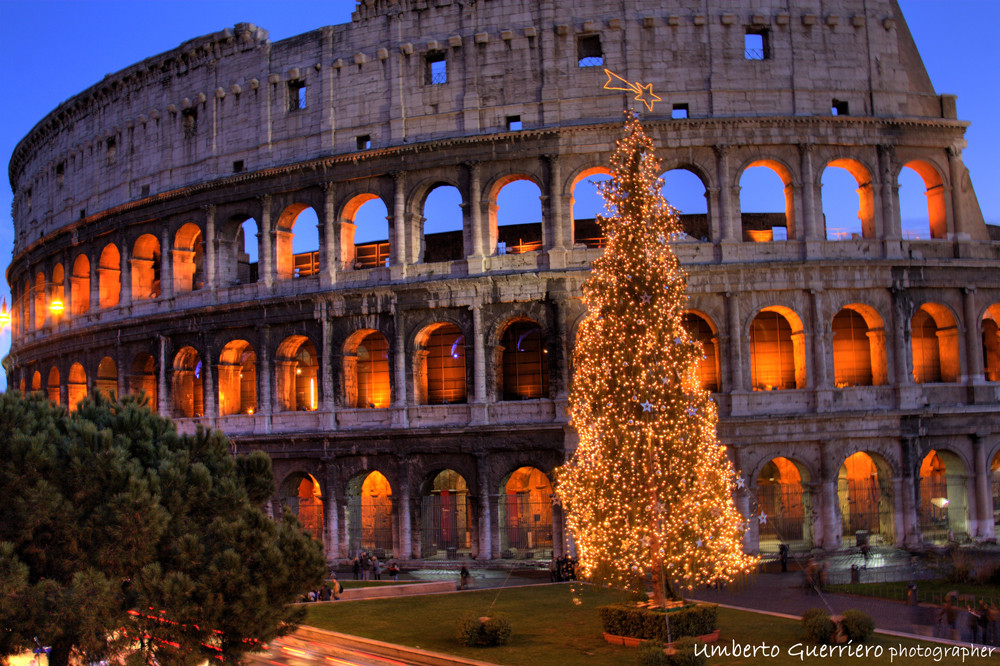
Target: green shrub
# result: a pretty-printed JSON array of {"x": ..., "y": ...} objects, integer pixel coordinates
[
  {"x": 858, "y": 626},
  {"x": 625, "y": 620},
  {"x": 474, "y": 631},
  {"x": 685, "y": 654},
  {"x": 818, "y": 625},
  {"x": 651, "y": 654}
]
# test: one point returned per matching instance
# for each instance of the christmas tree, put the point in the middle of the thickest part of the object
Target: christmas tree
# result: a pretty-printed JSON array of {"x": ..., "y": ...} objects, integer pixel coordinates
[{"x": 649, "y": 489}]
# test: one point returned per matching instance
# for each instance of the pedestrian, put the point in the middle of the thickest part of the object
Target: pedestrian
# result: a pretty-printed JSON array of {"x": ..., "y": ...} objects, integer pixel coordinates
[
  {"x": 357, "y": 569},
  {"x": 394, "y": 571},
  {"x": 783, "y": 556},
  {"x": 377, "y": 568},
  {"x": 463, "y": 578},
  {"x": 336, "y": 589}
]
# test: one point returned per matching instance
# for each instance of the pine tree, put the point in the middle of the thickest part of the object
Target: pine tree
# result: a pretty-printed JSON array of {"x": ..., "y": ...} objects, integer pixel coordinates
[{"x": 649, "y": 489}]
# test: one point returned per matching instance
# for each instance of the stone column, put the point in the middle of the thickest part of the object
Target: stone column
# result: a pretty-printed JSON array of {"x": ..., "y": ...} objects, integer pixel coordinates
[
  {"x": 264, "y": 377},
  {"x": 265, "y": 243},
  {"x": 331, "y": 518},
  {"x": 908, "y": 487},
  {"x": 479, "y": 408},
  {"x": 956, "y": 172},
  {"x": 211, "y": 245},
  {"x": 984, "y": 498},
  {"x": 330, "y": 252},
  {"x": 162, "y": 403},
  {"x": 67, "y": 288},
  {"x": 166, "y": 266},
  {"x": 821, "y": 338},
  {"x": 743, "y": 506},
  {"x": 125, "y": 295},
  {"x": 94, "y": 285},
  {"x": 485, "y": 526},
  {"x": 399, "y": 249},
  {"x": 558, "y": 528},
  {"x": 557, "y": 236},
  {"x": 733, "y": 330},
  {"x": 809, "y": 219},
  {"x": 326, "y": 366},
  {"x": 973, "y": 339},
  {"x": 730, "y": 228},
  {"x": 399, "y": 388},
  {"x": 476, "y": 210},
  {"x": 403, "y": 509},
  {"x": 891, "y": 225},
  {"x": 209, "y": 394},
  {"x": 901, "y": 373}
]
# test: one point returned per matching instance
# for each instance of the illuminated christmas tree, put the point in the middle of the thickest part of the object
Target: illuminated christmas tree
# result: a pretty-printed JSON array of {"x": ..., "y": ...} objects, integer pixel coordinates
[{"x": 649, "y": 489}]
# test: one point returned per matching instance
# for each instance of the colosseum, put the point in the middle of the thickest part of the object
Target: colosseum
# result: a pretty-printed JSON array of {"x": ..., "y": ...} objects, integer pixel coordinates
[{"x": 408, "y": 378}]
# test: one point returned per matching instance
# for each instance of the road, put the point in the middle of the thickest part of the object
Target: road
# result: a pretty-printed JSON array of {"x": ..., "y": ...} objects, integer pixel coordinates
[{"x": 292, "y": 651}]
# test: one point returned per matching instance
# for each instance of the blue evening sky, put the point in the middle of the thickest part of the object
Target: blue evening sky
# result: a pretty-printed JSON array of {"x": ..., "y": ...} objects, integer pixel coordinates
[{"x": 51, "y": 50}]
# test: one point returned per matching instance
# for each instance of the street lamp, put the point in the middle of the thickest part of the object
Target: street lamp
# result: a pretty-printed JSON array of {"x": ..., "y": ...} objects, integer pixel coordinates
[{"x": 4, "y": 316}]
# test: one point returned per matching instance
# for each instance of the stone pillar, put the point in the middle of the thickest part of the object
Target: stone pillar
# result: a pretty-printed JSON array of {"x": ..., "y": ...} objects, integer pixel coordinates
[
  {"x": 815, "y": 516},
  {"x": 973, "y": 339},
  {"x": 485, "y": 526},
  {"x": 476, "y": 210},
  {"x": 983, "y": 523},
  {"x": 831, "y": 519},
  {"x": 557, "y": 236},
  {"x": 265, "y": 243},
  {"x": 94, "y": 285},
  {"x": 399, "y": 388},
  {"x": 479, "y": 408},
  {"x": 162, "y": 403},
  {"x": 331, "y": 518},
  {"x": 330, "y": 251},
  {"x": 820, "y": 346},
  {"x": 750, "y": 534},
  {"x": 891, "y": 224},
  {"x": 809, "y": 220},
  {"x": 326, "y": 365},
  {"x": 735, "y": 356},
  {"x": 399, "y": 249},
  {"x": 211, "y": 246},
  {"x": 956, "y": 172},
  {"x": 908, "y": 487},
  {"x": 209, "y": 395},
  {"x": 264, "y": 377},
  {"x": 403, "y": 509},
  {"x": 67, "y": 288},
  {"x": 901, "y": 373},
  {"x": 343, "y": 529},
  {"x": 558, "y": 528},
  {"x": 166, "y": 266},
  {"x": 125, "y": 273},
  {"x": 730, "y": 226},
  {"x": 876, "y": 345},
  {"x": 714, "y": 218}
]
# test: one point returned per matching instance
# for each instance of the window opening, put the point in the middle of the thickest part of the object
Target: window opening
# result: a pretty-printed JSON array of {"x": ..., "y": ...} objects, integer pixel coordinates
[
  {"x": 755, "y": 44},
  {"x": 588, "y": 51},
  {"x": 364, "y": 142},
  {"x": 437, "y": 68},
  {"x": 296, "y": 95},
  {"x": 514, "y": 123},
  {"x": 190, "y": 122},
  {"x": 680, "y": 111},
  {"x": 238, "y": 166},
  {"x": 839, "y": 108}
]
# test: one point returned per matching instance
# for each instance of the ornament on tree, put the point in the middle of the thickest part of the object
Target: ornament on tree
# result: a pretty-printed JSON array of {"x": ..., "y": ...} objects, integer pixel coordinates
[{"x": 642, "y": 487}]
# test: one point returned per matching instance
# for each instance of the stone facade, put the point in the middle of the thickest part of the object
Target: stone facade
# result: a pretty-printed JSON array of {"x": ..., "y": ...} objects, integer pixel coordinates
[{"x": 129, "y": 200}]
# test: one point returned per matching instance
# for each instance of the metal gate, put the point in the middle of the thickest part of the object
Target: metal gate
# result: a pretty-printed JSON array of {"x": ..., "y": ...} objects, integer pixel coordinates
[
  {"x": 525, "y": 527},
  {"x": 862, "y": 501},
  {"x": 446, "y": 525},
  {"x": 784, "y": 506},
  {"x": 369, "y": 525}
]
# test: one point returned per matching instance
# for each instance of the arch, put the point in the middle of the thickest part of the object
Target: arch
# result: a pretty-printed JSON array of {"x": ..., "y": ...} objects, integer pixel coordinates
[
  {"x": 759, "y": 203},
  {"x": 370, "y": 515},
  {"x": 366, "y": 370},
  {"x": 782, "y": 498},
  {"x": 142, "y": 378},
  {"x": 836, "y": 192},
  {"x": 990, "y": 327},
  {"x": 587, "y": 203},
  {"x": 441, "y": 374},
  {"x": 515, "y": 209},
  {"x": 777, "y": 350},
  {"x": 865, "y": 499},
  {"x": 934, "y": 345},
  {"x": 109, "y": 284},
  {"x": 107, "y": 377},
  {"x": 237, "y": 378},
  {"x": 301, "y": 493},
  {"x": 297, "y": 242},
  {"x": 188, "y": 384},
  {"x": 524, "y": 367},
  {"x": 146, "y": 268},
  {"x": 686, "y": 190},
  {"x": 525, "y": 515},
  {"x": 246, "y": 252},
  {"x": 914, "y": 223},
  {"x": 943, "y": 504},
  {"x": 76, "y": 386},
  {"x": 702, "y": 330},
  {"x": 79, "y": 286},
  {"x": 365, "y": 238},
  {"x": 52, "y": 386},
  {"x": 188, "y": 259},
  {"x": 443, "y": 235},
  {"x": 40, "y": 300},
  {"x": 57, "y": 304},
  {"x": 297, "y": 375},
  {"x": 36, "y": 381},
  {"x": 446, "y": 516}
]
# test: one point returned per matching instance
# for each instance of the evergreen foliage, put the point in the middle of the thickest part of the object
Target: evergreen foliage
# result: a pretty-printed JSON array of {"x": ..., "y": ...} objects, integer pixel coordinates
[{"x": 121, "y": 539}]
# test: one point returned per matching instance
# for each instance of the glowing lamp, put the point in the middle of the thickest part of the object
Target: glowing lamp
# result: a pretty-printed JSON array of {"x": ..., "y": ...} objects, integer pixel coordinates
[
  {"x": 56, "y": 307},
  {"x": 940, "y": 502},
  {"x": 250, "y": 410},
  {"x": 4, "y": 315}
]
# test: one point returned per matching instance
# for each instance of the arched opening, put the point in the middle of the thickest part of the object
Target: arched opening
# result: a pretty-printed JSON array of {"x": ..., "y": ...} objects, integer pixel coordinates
[
  {"x": 36, "y": 381},
  {"x": 188, "y": 259},
  {"x": 107, "y": 377},
  {"x": 142, "y": 378},
  {"x": 516, "y": 214},
  {"x": 843, "y": 181},
  {"x": 301, "y": 493},
  {"x": 76, "y": 386},
  {"x": 766, "y": 202},
  {"x": 524, "y": 367},
  {"x": 146, "y": 268},
  {"x": 858, "y": 351},
  {"x": 237, "y": 379},
  {"x": 587, "y": 203},
  {"x": 777, "y": 351},
  {"x": 995, "y": 487},
  {"x": 441, "y": 371},
  {"x": 365, "y": 232},
  {"x": 702, "y": 331},
  {"x": 686, "y": 192},
  {"x": 109, "y": 284},
  {"x": 991, "y": 343},
  {"x": 446, "y": 517},
  {"x": 57, "y": 297},
  {"x": 443, "y": 236},
  {"x": 370, "y": 515},
  {"x": 922, "y": 217},
  {"x": 934, "y": 341},
  {"x": 41, "y": 302},
  {"x": 79, "y": 286},
  {"x": 297, "y": 375},
  {"x": 787, "y": 507},
  {"x": 247, "y": 252},
  {"x": 188, "y": 384},
  {"x": 864, "y": 491},
  {"x": 526, "y": 515},
  {"x": 943, "y": 506},
  {"x": 52, "y": 386},
  {"x": 366, "y": 370},
  {"x": 297, "y": 240},
  {"x": 23, "y": 384}
]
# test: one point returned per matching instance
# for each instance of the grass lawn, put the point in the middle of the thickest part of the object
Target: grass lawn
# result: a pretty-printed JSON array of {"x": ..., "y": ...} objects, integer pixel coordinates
[
  {"x": 556, "y": 625},
  {"x": 929, "y": 591}
]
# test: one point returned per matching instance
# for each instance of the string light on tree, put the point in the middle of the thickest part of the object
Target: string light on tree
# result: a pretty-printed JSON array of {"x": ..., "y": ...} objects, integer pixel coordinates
[{"x": 649, "y": 489}]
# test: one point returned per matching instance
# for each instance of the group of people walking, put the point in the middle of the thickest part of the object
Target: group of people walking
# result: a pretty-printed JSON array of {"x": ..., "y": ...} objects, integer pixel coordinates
[{"x": 367, "y": 566}]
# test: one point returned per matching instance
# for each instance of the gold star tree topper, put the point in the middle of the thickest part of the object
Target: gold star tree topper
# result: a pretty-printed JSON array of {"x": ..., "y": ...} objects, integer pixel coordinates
[{"x": 643, "y": 92}]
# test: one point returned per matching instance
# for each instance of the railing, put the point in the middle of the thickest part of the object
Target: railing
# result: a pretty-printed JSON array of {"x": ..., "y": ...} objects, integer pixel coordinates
[
  {"x": 371, "y": 255},
  {"x": 306, "y": 264}
]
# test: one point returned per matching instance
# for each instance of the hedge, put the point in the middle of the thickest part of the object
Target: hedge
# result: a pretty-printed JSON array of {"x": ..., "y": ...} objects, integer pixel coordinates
[{"x": 625, "y": 620}]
